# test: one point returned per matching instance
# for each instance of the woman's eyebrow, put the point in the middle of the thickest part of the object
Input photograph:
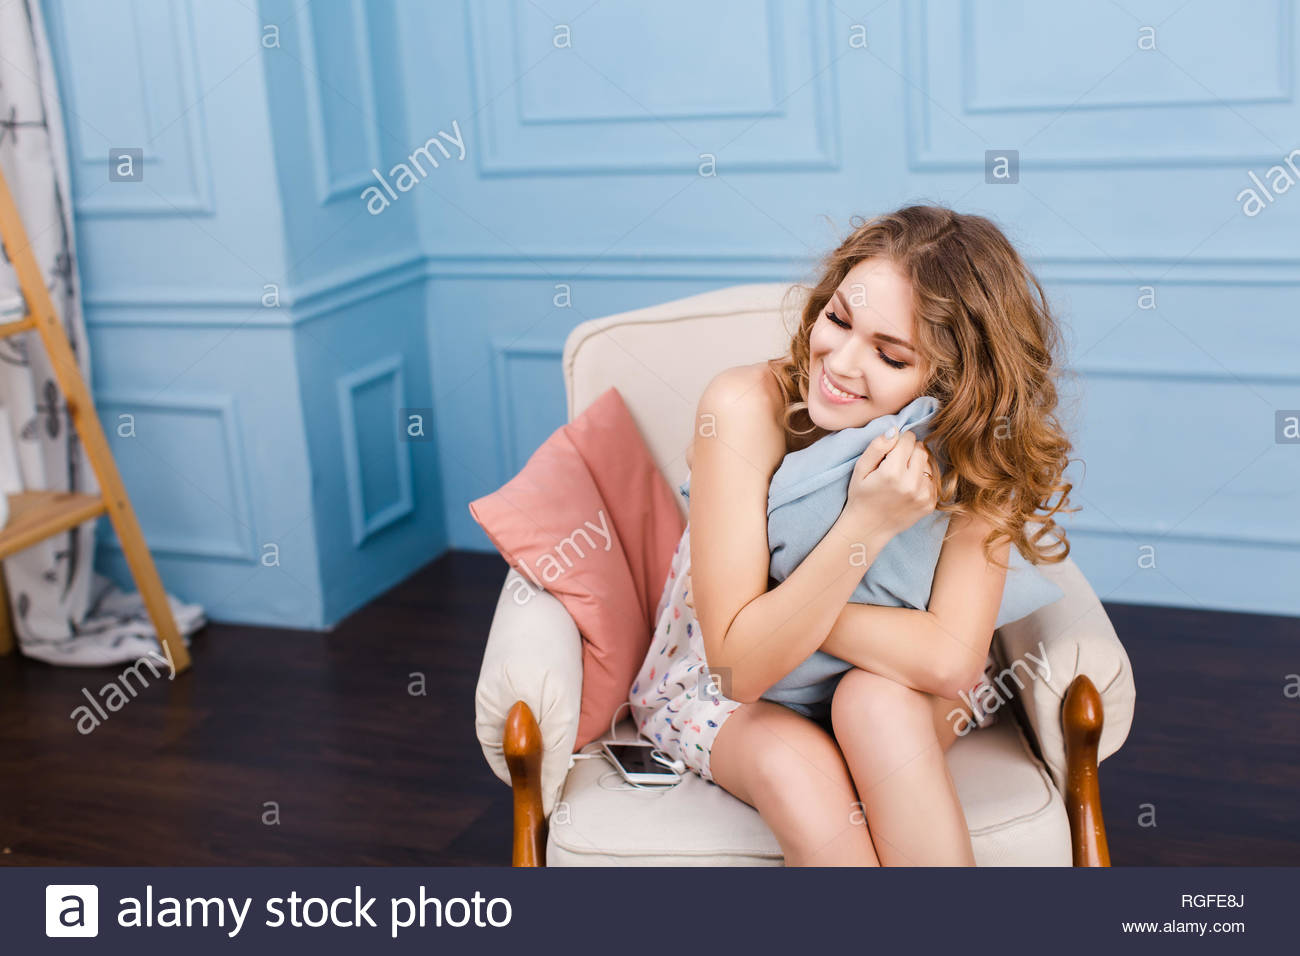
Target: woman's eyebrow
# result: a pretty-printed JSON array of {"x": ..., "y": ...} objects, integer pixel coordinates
[{"x": 883, "y": 336}]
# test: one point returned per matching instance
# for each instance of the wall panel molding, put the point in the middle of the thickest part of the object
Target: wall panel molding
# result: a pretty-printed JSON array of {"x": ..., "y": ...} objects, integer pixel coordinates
[
  {"x": 1153, "y": 535},
  {"x": 298, "y": 304},
  {"x": 221, "y": 307},
  {"x": 1014, "y": 94},
  {"x": 792, "y": 126},
  {"x": 335, "y": 178},
  {"x": 236, "y": 540},
  {"x": 949, "y": 127},
  {"x": 1146, "y": 476},
  {"x": 160, "y": 110},
  {"x": 367, "y": 521},
  {"x": 753, "y": 101},
  {"x": 507, "y": 355}
]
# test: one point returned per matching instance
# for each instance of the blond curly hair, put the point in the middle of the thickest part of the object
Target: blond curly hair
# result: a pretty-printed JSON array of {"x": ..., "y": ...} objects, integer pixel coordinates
[{"x": 987, "y": 340}]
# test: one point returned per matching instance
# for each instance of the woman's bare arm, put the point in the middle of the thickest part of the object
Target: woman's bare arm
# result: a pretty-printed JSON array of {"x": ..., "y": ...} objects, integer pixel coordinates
[
  {"x": 940, "y": 650},
  {"x": 752, "y": 636}
]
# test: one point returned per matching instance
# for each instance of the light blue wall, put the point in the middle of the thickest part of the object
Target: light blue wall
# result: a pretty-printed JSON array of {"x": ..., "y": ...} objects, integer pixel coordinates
[
  {"x": 260, "y": 333},
  {"x": 361, "y": 344},
  {"x": 583, "y": 170},
  {"x": 173, "y": 269}
]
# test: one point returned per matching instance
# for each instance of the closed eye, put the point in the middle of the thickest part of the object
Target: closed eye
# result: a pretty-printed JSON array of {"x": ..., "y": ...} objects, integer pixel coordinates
[
  {"x": 889, "y": 361},
  {"x": 844, "y": 325}
]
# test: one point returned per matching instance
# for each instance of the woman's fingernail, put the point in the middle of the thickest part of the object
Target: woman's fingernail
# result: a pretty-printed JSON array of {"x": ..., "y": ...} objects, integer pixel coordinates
[{"x": 893, "y": 430}]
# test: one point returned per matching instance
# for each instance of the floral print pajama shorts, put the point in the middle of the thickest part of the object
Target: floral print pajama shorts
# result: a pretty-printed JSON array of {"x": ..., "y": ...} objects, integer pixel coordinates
[{"x": 673, "y": 703}]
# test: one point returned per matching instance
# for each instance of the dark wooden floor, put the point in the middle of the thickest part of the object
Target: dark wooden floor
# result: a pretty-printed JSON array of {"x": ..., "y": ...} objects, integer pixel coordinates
[
  {"x": 363, "y": 772},
  {"x": 1215, "y": 744}
]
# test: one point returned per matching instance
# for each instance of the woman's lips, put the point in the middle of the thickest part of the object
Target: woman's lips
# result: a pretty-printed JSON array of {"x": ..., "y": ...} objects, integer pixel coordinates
[{"x": 833, "y": 397}]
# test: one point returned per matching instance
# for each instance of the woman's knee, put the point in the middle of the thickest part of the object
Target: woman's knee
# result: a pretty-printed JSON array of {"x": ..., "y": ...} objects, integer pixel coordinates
[
  {"x": 786, "y": 759},
  {"x": 792, "y": 771},
  {"x": 797, "y": 777},
  {"x": 865, "y": 699}
]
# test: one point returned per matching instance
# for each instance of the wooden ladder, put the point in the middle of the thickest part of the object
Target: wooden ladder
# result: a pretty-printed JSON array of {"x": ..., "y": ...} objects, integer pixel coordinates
[{"x": 37, "y": 515}]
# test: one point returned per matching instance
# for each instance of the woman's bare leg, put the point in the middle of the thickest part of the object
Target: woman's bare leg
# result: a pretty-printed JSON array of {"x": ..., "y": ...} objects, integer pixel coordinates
[
  {"x": 791, "y": 771},
  {"x": 890, "y": 736}
]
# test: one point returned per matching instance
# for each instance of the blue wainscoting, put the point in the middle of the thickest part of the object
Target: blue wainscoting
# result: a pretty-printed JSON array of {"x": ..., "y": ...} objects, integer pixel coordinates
[
  {"x": 254, "y": 332},
  {"x": 618, "y": 155}
]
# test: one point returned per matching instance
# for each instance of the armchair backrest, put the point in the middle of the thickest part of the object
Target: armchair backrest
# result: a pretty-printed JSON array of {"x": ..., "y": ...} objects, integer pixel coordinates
[{"x": 662, "y": 357}]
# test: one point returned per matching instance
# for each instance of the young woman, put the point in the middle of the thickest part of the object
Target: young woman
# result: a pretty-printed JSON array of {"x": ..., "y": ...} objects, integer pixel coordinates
[{"x": 920, "y": 301}]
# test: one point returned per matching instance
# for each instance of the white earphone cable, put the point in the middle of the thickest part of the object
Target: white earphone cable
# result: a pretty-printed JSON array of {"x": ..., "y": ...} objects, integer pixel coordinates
[{"x": 676, "y": 767}]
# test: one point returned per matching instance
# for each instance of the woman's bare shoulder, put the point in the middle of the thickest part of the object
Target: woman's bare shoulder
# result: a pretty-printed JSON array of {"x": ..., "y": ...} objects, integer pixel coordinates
[
  {"x": 753, "y": 387},
  {"x": 745, "y": 401}
]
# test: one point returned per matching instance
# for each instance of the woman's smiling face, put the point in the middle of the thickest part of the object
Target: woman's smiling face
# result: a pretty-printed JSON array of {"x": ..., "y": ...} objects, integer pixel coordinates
[{"x": 863, "y": 343}]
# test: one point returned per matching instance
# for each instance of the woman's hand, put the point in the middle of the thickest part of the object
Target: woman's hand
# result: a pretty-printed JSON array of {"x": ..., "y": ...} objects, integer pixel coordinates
[{"x": 893, "y": 485}]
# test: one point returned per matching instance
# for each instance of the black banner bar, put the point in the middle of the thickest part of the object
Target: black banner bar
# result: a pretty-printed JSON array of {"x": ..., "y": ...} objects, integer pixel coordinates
[{"x": 195, "y": 910}]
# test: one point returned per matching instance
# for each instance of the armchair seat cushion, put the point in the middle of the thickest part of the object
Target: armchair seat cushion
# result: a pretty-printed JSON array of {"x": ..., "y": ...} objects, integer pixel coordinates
[{"x": 1015, "y": 814}]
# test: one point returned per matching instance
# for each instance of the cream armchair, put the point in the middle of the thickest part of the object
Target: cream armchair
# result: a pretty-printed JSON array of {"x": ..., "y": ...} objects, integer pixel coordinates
[{"x": 1028, "y": 784}]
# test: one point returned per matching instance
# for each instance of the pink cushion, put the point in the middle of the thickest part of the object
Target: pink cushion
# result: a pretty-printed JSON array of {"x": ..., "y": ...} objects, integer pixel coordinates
[{"x": 591, "y": 520}]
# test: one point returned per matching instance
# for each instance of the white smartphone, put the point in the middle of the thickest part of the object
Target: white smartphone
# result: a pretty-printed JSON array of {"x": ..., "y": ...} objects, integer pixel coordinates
[{"x": 640, "y": 762}]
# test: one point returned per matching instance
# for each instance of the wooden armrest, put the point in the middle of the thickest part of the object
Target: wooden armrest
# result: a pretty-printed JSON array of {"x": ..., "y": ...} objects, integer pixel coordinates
[
  {"x": 523, "y": 752},
  {"x": 1081, "y": 723}
]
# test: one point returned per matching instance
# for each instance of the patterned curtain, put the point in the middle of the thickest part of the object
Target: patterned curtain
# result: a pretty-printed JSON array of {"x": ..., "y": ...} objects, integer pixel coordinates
[{"x": 63, "y": 611}]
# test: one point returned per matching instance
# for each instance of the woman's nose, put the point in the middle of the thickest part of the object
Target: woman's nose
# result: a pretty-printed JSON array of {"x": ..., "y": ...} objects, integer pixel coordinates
[{"x": 847, "y": 371}]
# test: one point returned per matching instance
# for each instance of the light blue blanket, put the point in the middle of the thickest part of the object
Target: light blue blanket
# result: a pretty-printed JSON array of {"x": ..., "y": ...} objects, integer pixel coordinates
[{"x": 806, "y": 496}]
